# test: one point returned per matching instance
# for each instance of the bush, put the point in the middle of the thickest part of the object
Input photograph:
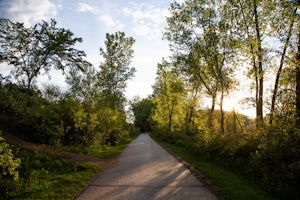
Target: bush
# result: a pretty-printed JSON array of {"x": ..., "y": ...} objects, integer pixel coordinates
[
  {"x": 277, "y": 162},
  {"x": 8, "y": 168}
]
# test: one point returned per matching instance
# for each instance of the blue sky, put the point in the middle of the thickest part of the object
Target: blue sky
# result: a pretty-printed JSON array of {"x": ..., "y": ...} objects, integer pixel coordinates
[{"x": 144, "y": 20}]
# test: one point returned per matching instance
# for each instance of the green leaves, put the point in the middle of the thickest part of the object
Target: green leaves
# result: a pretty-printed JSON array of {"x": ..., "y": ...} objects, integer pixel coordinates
[
  {"x": 8, "y": 164},
  {"x": 142, "y": 110},
  {"x": 8, "y": 167}
]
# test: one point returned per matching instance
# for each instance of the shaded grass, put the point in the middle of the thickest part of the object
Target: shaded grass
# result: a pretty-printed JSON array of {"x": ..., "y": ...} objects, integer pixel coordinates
[
  {"x": 113, "y": 151},
  {"x": 230, "y": 185},
  {"x": 48, "y": 176}
]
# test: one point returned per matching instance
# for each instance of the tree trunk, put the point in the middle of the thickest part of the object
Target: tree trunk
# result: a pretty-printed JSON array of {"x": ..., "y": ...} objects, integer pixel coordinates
[
  {"x": 222, "y": 112},
  {"x": 280, "y": 67},
  {"x": 190, "y": 117},
  {"x": 257, "y": 69},
  {"x": 298, "y": 81},
  {"x": 170, "y": 123},
  {"x": 189, "y": 120},
  {"x": 234, "y": 124},
  {"x": 259, "y": 109},
  {"x": 211, "y": 113}
]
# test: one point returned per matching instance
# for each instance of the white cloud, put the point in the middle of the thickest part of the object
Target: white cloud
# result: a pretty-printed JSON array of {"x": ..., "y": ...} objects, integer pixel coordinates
[
  {"x": 110, "y": 22},
  {"x": 31, "y": 11},
  {"x": 105, "y": 19},
  {"x": 84, "y": 7},
  {"x": 149, "y": 21},
  {"x": 141, "y": 30}
]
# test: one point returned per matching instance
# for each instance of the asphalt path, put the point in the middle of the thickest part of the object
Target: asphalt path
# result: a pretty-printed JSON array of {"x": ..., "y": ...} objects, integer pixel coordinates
[{"x": 146, "y": 171}]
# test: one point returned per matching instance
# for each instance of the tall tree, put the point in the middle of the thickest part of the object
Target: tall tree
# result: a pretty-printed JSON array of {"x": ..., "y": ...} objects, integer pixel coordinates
[
  {"x": 168, "y": 99},
  {"x": 115, "y": 70},
  {"x": 253, "y": 22},
  {"x": 259, "y": 54},
  {"x": 285, "y": 32},
  {"x": 38, "y": 49},
  {"x": 199, "y": 32}
]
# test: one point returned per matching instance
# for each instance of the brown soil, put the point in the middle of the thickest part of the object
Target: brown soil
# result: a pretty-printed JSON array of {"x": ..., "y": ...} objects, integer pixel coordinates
[{"x": 102, "y": 163}]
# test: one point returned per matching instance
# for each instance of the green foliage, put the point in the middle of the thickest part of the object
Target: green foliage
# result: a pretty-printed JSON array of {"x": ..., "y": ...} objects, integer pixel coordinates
[
  {"x": 83, "y": 84},
  {"x": 27, "y": 114},
  {"x": 9, "y": 166},
  {"x": 168, "y": 94},
  {"x": 38, "y": 49},
  {"x": 66, "y": 121},
  {"x": 277, "y": 160},
  {"x": 142, "y": 110}
]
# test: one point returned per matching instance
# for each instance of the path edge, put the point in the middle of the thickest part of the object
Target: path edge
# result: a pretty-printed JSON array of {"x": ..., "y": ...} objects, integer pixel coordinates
[{"x": 199, "y": 175}]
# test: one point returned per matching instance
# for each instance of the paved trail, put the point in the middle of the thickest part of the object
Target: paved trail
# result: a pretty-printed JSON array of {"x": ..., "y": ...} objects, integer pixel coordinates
[{"x": 146, "y": 171}]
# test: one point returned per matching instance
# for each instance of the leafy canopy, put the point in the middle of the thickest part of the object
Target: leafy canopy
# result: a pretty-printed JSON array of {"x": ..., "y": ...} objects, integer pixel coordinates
[{"x": 38, "y": 49}]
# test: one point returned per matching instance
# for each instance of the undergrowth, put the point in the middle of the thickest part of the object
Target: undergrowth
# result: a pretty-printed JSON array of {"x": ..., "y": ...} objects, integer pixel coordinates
[{"x": 48, "y": 176}]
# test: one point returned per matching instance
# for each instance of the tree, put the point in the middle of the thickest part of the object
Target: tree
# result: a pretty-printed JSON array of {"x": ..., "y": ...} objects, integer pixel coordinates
[
  {"x": 253, "y": 28},
  {"x": 200, "y": 36},
  {"x": 298, "y": 80},
  {"x": 38, "y": 49},
  {"x": 115, "y": 70},
  {"x": 83, "y": 84},
  {"x": 288, "y": 14}
]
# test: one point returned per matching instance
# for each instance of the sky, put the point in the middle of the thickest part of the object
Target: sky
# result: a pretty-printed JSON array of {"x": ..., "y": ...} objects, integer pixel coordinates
[{"x": 144, "y": 20}]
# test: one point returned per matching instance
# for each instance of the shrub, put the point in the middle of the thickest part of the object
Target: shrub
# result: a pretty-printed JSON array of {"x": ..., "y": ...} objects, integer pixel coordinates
[{"x": 8, "y": 167}]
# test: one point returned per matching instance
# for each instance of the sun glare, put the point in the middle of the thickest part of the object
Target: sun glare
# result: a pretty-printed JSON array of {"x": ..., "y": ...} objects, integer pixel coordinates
[{"x": 232, "y": 104}]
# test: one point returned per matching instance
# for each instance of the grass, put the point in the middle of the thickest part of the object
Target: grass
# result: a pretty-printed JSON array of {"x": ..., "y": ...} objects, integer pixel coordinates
[
  {"x": 111, "y": 151},
  {"x": 230, "y": 185}
]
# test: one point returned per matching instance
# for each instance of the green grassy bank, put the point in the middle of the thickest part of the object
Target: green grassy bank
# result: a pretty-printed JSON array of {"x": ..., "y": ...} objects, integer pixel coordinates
[{"x": 226, "y": 184}]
